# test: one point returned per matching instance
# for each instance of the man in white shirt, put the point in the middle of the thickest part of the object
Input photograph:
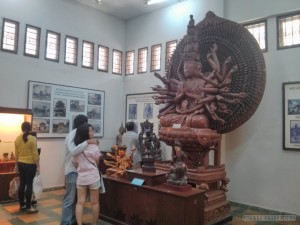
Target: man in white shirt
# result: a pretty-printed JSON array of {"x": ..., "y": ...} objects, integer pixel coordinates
[
  {"x": 130, "y": 138},
  {"x": 70, "y": 199}
]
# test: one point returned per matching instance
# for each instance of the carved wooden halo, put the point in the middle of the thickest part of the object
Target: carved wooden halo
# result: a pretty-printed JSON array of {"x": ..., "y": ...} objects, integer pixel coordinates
[{"x": 232, "y": 40}]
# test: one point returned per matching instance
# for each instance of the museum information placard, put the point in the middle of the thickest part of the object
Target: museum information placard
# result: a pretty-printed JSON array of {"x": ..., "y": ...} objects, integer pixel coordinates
[{"x": 55, "y": 106}]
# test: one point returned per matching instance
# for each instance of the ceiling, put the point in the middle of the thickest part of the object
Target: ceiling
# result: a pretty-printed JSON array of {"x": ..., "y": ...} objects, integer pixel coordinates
[{"x": 127, "y": 9}]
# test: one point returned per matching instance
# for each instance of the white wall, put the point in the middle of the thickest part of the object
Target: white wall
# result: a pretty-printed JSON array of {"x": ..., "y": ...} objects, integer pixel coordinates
[
  {"x": 261, "y": 172},
  {"x": 67, "y": 19}
]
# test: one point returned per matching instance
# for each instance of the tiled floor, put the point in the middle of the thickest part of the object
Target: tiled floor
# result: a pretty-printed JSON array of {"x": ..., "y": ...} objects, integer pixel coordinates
[
  {"x": 49, "y": 207},
  {"x": 241, "y": 212}
]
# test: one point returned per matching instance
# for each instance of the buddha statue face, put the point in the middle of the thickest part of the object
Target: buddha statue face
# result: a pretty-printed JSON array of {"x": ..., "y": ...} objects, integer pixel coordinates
[
  {"x": 189, "y": 69},
  {"x": 184, "y": 104},
  {"x": 122, "y": 153}
]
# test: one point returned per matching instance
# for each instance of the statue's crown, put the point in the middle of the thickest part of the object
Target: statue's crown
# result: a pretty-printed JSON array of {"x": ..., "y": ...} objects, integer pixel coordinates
[{"x": 191, "y": 48}]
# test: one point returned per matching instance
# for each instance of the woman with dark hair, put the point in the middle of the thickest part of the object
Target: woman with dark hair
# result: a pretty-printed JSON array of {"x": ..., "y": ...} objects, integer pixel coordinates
[
  {"x": 88, "y": 173},
  {"x": 27, "y": 163}
]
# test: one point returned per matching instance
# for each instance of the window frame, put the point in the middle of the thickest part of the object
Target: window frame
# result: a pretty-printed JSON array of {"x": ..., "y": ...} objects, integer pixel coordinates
[
  {"x": 38, "y": 41},
  {"x": 138, "y": 61},
  {"x": 126, "y": 62},
  {"x": 58, "y": 45},
  {"x": 107, "y": 59},
  {"x": 93, "y": 55},
  {"x": 76, "y": 52},
  {"x": 167, "y": 62},
  {"x": 16, "y": 36},
  {"x": 266, "y": 32},
  {"x": 278, "y": 18},
  {"x": 113, "y": 63},
  {"x": 152, "y": 56}
]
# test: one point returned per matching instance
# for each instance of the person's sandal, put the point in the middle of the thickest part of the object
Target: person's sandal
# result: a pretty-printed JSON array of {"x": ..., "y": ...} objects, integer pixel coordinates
[
  {"x": 31, "y": 211},
  {"x": 22, "y": 208},
  {"x": 33, "y": 202}
]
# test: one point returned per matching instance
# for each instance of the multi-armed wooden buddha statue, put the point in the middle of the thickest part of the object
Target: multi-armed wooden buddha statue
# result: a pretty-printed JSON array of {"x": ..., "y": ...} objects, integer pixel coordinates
[{"x": 214, "y": 84}]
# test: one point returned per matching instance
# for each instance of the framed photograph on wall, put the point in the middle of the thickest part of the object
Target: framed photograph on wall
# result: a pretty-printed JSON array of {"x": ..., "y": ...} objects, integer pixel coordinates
[
  {"x": 141, "y": 107},
  {"x": 55, "y": 106},
  {"x": 291, "y": 115}
]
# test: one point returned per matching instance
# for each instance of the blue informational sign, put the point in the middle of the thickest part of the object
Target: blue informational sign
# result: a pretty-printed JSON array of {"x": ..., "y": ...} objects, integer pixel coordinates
[{"x": 137, "y": 181}]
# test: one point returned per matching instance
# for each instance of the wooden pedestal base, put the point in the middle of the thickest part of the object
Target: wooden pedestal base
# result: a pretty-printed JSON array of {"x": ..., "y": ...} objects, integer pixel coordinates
[
  {"x": 216, "y": 206},
  {"x": 150, "y": 178},
  {"x": 186, "y": 187},
  {"x": 148, "y": 165},
  {"x": 124, "y": 203}
]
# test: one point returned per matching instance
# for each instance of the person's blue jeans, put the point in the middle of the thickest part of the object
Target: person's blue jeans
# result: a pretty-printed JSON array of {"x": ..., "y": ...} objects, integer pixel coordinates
[{"x": 70, "y": 200}]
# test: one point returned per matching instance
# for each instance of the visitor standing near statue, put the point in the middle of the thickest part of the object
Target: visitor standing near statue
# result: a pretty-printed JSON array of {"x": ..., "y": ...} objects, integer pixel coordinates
[
  {"x": 27, "y": 164},
  {"x": 130, "y": 140},
  {"x": 69, "y": 202},
  {"x": 88, "y": 182}
]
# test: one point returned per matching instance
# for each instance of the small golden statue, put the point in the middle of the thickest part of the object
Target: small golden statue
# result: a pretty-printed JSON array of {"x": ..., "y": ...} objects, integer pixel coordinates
[{"x": 119, "y": 162}]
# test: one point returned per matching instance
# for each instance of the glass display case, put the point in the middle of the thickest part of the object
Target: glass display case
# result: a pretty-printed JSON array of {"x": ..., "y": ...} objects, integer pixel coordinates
[{"x": 10, "y": 127}]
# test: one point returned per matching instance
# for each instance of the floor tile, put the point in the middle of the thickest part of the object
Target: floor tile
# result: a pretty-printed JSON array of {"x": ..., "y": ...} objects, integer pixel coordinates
[
  {"x": 52, "y": 223},
  {"x": 27, "y": 218},
  {"x": 50, "y": 202},
  {"x": 5, "y": 222},
  {"x": 57, "y": 210},
  {"x": 239, "y": 221}
]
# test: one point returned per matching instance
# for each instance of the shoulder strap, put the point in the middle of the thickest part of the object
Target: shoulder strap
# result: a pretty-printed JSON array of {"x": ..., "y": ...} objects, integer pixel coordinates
[{"x": 89, "y": 160}]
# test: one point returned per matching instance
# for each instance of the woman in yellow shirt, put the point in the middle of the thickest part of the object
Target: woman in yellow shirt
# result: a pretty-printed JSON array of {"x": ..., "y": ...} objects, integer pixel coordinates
[{"x": 27, "y": 162}]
